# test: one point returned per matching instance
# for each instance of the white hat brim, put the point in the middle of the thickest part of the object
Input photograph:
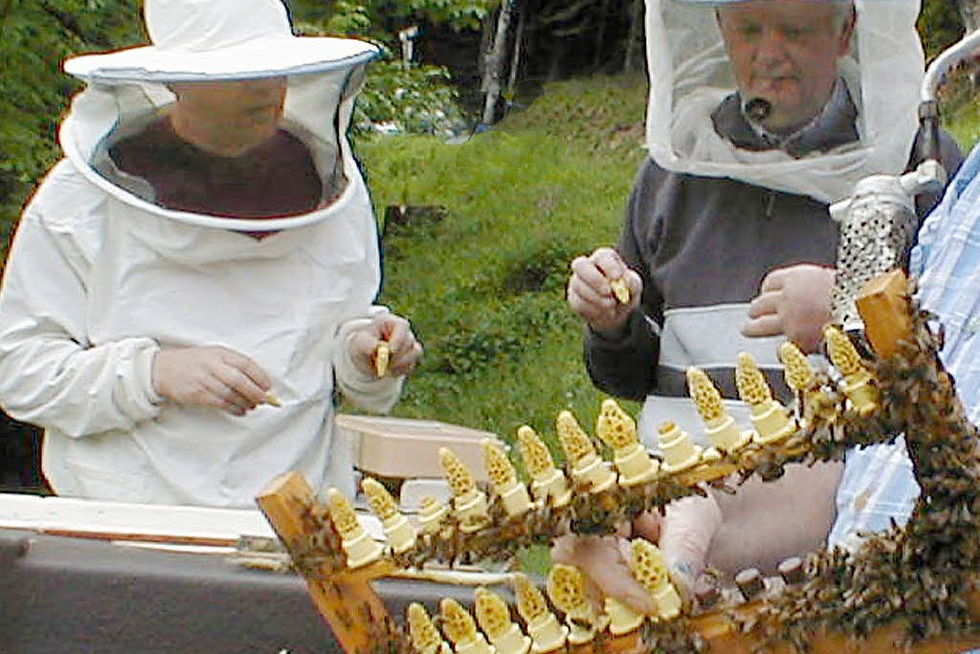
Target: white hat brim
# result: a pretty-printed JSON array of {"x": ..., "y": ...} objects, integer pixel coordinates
[{"x": 267, "y": 57}]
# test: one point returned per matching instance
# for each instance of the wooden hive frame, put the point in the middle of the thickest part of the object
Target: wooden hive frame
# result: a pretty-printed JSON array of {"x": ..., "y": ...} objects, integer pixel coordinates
[{"x": 362, "y": 623}]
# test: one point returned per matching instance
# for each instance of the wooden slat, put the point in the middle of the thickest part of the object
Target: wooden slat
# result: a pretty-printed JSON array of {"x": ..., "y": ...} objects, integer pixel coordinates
[
  {"x": 345, "y": 600},
  {"x": 883, "y": 306},
  {"x": 350, "y": 606},
  {"x": 722, "y": 636}
]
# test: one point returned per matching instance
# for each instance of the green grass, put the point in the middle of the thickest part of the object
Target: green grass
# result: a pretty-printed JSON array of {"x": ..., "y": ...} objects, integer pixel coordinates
[
  {"x": 484, "y": 286},
  {"x": 963, "y": 123},
  {"x": 959, "y": 105}
]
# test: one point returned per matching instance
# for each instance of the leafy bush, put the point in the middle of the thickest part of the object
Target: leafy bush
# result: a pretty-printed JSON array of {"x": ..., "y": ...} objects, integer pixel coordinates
[
  {"x": 400, "y": 99},
  {"x": 409, "y": 99},
  {"x": 939, "y": 26},
  {"x": 415, "y": 99},
  {"x": 35, "y": 36},
  {"x": 379, "y": 19}
]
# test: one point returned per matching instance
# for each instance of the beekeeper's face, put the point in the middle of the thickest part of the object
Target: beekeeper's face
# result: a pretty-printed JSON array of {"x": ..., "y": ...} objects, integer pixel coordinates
[
  {"x": 785, "y": 52},
  {"x": 232, "y": 116}
]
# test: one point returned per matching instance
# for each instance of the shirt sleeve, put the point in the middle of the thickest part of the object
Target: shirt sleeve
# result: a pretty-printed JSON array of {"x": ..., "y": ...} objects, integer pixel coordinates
[
  {"x": 625, "y": 365},
  {"x": 51, "y": 374},
  {"x": 364, "y": 391}
]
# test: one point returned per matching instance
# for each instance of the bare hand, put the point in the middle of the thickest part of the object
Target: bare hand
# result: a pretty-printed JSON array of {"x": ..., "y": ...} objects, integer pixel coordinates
[
  {"x": 604, "y": 560},
  {"x": 793, "y": 302},
  {"x": 210, "y": 376},
  {"x": 591, "y": 296},
  {"x": 685, "y": 534},
  {"x": 404, "y": 351}
]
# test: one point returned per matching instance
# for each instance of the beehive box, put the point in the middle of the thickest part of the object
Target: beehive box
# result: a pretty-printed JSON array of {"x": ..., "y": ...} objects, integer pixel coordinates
[{"x": 405, "y": 448}]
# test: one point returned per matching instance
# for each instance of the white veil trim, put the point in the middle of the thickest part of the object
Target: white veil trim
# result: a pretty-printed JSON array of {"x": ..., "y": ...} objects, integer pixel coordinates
[{"x": 689, "y": 76}]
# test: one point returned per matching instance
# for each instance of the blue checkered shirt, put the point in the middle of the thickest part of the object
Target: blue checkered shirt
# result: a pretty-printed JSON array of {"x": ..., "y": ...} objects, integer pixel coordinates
[{"x": 878, "y": 485}]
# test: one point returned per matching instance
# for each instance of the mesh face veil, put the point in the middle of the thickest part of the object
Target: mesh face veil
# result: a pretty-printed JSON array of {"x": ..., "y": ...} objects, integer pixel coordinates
[
  {"x": 701, "y": 54},
  {"x": 316, "y": 110},
  {"x": 220, "y": 55}
]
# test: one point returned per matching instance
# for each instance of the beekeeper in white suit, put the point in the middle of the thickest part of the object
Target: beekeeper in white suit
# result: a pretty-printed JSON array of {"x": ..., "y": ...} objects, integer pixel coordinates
[
  {"x": 204, "y": 252},
  {"x": 761, "y": 114}
]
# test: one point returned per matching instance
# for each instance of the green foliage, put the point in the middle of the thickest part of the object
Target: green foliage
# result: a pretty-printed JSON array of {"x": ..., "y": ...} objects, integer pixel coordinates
[
  {"x": 460, "y": 15},
  {"x": 35, "y": 36},
  {"x": 381, "y": 18},
  {"x": 346, "y": 17},
  {"x": 961, "y": 116},
  {"x": 939, "y": 26},
  {"x": 415, "y": 100}
]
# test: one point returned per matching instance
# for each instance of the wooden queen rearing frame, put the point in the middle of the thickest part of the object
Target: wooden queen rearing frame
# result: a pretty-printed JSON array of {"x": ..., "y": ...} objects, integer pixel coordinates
[{"x": 917, "y": 584}]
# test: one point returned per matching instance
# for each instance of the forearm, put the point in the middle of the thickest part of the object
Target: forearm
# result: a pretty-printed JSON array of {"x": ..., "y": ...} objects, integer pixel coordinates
[
  {"x": 54, "y": 383},
  {"x": 365, "y": 391},
  {"x": 766, "y": 522},
  {"x": 50, "y": 372},
  {"x": 624, "y": 366}
]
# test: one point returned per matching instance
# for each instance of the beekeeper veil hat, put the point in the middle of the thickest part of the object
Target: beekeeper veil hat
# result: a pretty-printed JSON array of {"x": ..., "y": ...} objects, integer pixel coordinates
[
  {"x": 691, "y": 75},
  {"x": 214, "y": 41}
]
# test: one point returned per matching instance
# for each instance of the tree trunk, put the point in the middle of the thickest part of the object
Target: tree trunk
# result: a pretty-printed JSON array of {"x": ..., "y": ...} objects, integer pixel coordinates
[
  {"x": 496, "y": 60},
  {"x": 634, "y": 38},
  {"x": 600, "y": 33},
  {"x": 486, "y": 42},
  {"x": 515, "y": 61},
  {"x": 969, "y": 12}
]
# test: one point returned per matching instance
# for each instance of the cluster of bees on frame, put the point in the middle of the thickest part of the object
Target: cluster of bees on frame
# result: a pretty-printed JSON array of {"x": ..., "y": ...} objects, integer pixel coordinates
[{"x": 592, "y": 494}]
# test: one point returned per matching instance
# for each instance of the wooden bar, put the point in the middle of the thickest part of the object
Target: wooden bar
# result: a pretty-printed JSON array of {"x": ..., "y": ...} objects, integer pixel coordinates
[
  {"x": 883, "y": 306},
  {"x": 345, "y": 600},
  {"x": 722, "y": 636},
  {"x": 350, "y": 606}
]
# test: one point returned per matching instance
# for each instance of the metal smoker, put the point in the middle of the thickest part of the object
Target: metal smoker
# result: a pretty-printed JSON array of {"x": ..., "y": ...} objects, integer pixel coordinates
[{"x": 878, "y": 223}]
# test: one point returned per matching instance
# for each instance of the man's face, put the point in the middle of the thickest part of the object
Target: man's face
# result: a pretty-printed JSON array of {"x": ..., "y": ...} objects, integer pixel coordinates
[
  {"x": 239, "y": 115},
  {"x": 785, "y": 52}
]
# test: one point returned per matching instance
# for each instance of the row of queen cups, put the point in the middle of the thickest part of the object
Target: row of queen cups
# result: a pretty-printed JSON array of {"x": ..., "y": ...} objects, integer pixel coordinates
[{"x": 631, "y": 466}]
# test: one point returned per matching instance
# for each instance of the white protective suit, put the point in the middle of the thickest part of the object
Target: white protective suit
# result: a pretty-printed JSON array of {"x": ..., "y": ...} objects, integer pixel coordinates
[{"x": 98, "y": 280}]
